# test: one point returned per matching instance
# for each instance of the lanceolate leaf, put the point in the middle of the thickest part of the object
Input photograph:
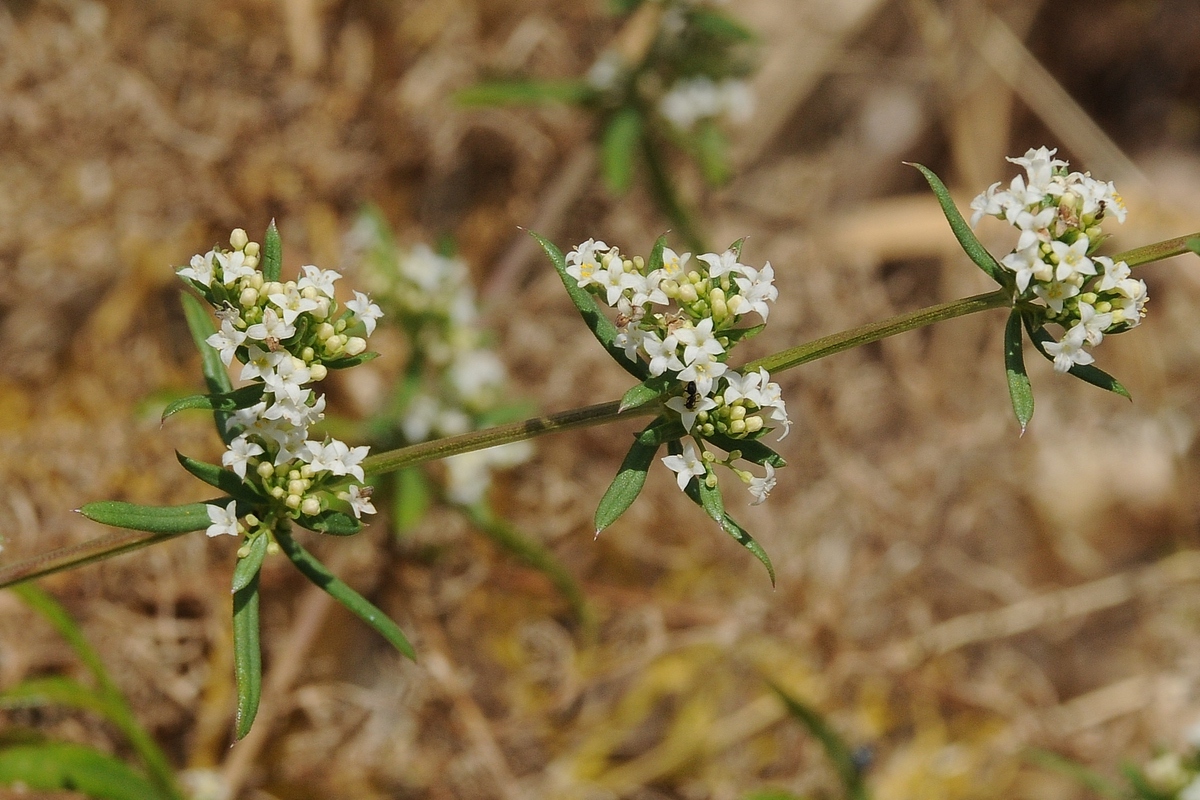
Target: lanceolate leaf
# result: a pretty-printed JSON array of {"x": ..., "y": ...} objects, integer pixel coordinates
[
  {"x": 661, "y": 431},
  {"x": 223, "y": 479},
  {"x": 747, "y": 541},
  {"x": 618, "y": 149},
  {"x": 1086, "y": 373},
  {"x": 247, "y": 655},
  {"x": 272, "y": 255},
  {"x": 752, "y": 450},
  {"x": 215, "y": 375},
  {"x": 735, "y": 335},
  {"x": 351, "y": 361},
  {"x": 155, "y": 519},
  {"x": 647, "y": 391},
  {"x": 61, "y": 766},
  {"x": 600, "y": 326},
  {"x": 626, "y": 486},
  {"x": 962, "y": 231},
  {"x": 316, "y": 572},
  {"x": 656, "y": 254},
  {"x": 334, "y": 523},
  {"x": 227, "y": 401},
  {"x": 1019, "y": 387},
  {"x": 248, "y": 566}
]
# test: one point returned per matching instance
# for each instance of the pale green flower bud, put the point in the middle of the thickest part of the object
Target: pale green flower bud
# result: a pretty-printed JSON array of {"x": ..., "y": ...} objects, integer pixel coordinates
[
  {"x": 355, "y": 345},
  {"x": 273, "y": 548},
  {"x": 243, "y": 551},
  {"x": 307, "y": 354},
  {"x": 737, "y": 426},
  {"x": 687, "y": 293},
  {"x": 252, "y": 249},
  {"x": 296, "y": 486},
  {"x": 248, "y": 297},
  {"x": 324, "y": 331},
  {"x": 753, "y": 424},
  {"x": 265, "y": 470},
  {"x": 311, "y": 506},
  {"x": 318, "y": 372},
  {"x": 238, "y": 239},
  {"x": 277, "y": 492},
  {"x": 293, "y": 501}
]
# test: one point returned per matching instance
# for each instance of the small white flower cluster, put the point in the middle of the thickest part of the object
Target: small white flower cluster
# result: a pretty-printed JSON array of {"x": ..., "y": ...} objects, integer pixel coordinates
[
  {"x": 461, "y": 381},
  {"x": 692, "y": 99},
  {"x": 691, "y": 343},
  {"x": 287, "y": 335},
  {"x": 1058, "y": 214},
  {"x": 1175, "y": 775}
]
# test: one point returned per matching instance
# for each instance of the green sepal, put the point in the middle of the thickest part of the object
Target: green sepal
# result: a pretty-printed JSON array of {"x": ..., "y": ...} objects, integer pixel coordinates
[
  {"x": 618, "y": 149},
  {"x": 216, "y": 377},
  {"x": 225, "y": 480},
  {"x": 627, "y": 484},
  {"x": 656, "y": 254},
  {"x": 226, "y": 401},
  {"x": 332, "y": 523},
  {"x": 316, "y": 572},
  {"x": 1020, "y": 390},
  {"x": 600, "y": 326},
  {"x": 496, "y": 93},
  {"x": 712, "y": 153},
  {"x": 751, "y": 450},
  {"x": 647, "y": 391},
  {"x": 962, "y": 231},
  {"x": 247, "y": 655},
  {"x": 411, "y": 498},
  {"x": 248, "y": 566},
  {"x": 736, "y": 247},
  {"x": 272, "y": 254},
  {"x": 1085, "y": 372},
  {"x": 154, "y": 519},
  {"x": 839, "y": 752},
  {"x": 351, "y": 361},
  {"x": 63, "y": 766}
]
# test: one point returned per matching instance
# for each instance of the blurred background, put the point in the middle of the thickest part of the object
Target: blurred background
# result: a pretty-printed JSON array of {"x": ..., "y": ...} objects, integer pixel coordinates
[{"x": 950, "y": 593}]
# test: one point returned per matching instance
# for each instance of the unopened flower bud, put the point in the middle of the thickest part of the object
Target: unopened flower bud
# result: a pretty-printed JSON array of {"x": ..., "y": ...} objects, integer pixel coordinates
[
  {"x": 243, "y": 551},
  {"x": 687, "y": 293},
  {"x": 737, "y": 426},
  {"x": 324, "y": 331},
  {"x": 311, "y": 506},
  {"x": 296, "y": 486},
  {"x": 248, "y": 297},
  {"x": 277, "y": 492},
  {"x": 355, "y": 345},
  {"x": 753, "y": 424},
  {"x": 252, "y": 249},
  {"x": 251, "y": 261},
  {"x": 318, "y": 372},
  {"x": 293, "y": 501},
  {"x": 265, "y": 470},
  {"x": 273, "y": 548},
  {"x": 238, "y": 239},
  {"x": 251, "y": 521}
]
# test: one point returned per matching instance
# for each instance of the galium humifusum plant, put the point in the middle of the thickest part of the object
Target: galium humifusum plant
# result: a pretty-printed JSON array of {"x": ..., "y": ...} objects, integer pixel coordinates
[{"x": 678, "y": 350}]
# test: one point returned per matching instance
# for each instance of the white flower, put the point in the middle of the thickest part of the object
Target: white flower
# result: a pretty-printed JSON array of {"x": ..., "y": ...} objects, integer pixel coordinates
[
  {"x": 688, "y": 415},
  {"x": 761, "y": 487},
  {"x": 1093, "y": 324},
  {"x": 292, "y": 303},
  {"x": 583, "y": 261},
  {"x": 698, "y": 340},
  {"x": 704, "y": 369},
  {"x": 615, "y": 280},
  {"x": 757, "y": 289},
  {"x": 272, "y": 327},
  {"x": 224, "y": 520},
  {"x": 200, "y": 270},
  {"x": 988, "y": 203},
  {"x": 743, "y": 387},
  {"x": 233, "y": 267},
  {"x": 1113, "y": 273},
  {"x": 1039, "y": 166},
  {"x": 1069, "y": 351},
  {"x": 674, "y": 264},
  {"x": 320, "y": 279},
  {"x": 260, "y": 363},
  {"x": 1072, "y": 259},
  {"x": 475, "y": 373},
  {"x": 1191, "y": 791},
  {"x": 289, "y": 375},
  {"x": 240, "y": 451},
  {"x": 685, "y": 466},
  {"x": 662, "y": 353},
  {"x": 1034, "y": 227},
  {"x": 718, "y": 265},
  {"x": 1053, "y": 293},
  {"x": 359, "y": 499},
  {"x": 1027, "y": 264},
  {"x": 364, "y": 311},
  {"x": 226, "y": 341}
]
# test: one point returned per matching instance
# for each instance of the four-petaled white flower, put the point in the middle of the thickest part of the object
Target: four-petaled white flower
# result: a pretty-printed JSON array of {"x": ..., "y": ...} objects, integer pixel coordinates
[
  {"x": 292, "y": 303},
  {"x": 1069, "y": 350},
  {"x": 226, "y": 341},
  {"x": 272, "y": 328},
  {"x": 685, "y": 466},
  {"x": 365, "y": 311},
  {"x": 224, "y": 520},
  {"x": 719, "y": 265},
  {"x": 320, "y": 279},
  {"x": 761, "y": 487},
  {"x": 698, "y": 341},
  {"x": 240, "y": 451},
  {"x": 359, "y": 499}
]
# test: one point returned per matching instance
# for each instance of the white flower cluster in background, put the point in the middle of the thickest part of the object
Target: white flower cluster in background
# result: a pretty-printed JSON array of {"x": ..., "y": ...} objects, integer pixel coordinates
[
  {"x": 459, "y": 382},
  {"x": 1059, "y": 215},
  {"x": 287, "y": 335},
  {"x": 1174, "y": 775},
  {"x": 681, "y": 320},
  {"x": 692, "y": 99}
]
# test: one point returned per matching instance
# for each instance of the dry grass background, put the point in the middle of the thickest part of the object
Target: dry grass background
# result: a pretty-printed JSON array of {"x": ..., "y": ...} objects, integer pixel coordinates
[{"x": 949, "y": 593}]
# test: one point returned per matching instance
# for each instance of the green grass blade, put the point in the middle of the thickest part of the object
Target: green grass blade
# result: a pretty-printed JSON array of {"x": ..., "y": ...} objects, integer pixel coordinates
[
  {"x": 600, "y": 326},
  {"x": 962, "y": 231},
  {"x": 272, "y": 254},
  {"x": 618, "y": 149},
  {"x": 316, "y": 572},
  {"x": 1020, "y": 390},
  {"x": 247, "y": 655},
  {"x": 61, "y": 766},
  {"x": 627, "y": 484},
  {"x": 57, "y": 690},
  {"x": 840, "y": 755}
]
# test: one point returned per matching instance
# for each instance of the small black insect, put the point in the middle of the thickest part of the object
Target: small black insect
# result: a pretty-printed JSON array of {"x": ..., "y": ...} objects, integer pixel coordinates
[{"x": 692, "y": 398}]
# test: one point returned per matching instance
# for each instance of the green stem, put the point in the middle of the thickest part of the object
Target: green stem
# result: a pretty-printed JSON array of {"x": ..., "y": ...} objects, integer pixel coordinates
[{"x": 589, "y": 416}]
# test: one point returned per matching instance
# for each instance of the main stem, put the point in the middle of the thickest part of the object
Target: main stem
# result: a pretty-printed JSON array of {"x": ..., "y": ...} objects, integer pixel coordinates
[{"x": 586, "y": 417}]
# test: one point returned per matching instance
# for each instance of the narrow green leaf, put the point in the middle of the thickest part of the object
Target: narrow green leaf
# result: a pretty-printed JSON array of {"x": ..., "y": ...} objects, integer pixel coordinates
[
  {"x": 155, "y": 519},
  {"x": 840, "y": 754},
  {"x": 747, "y": 541},
  {"x": 661, "y": 431},
  {"x": 316, "y": 572},
  {"x": 496, "y": 93},
  {"x": 1019, "y": 387},
  {"x": 720, "y": 26},
  {"x": 735, "y": 335},
  {"x": 703, "y": 495},
  {"x": 216, "y": 377},
  {"x": 1094, "y": 781},
  {"x": 248, "y": 566},
  {"x": 626, "y": 486},
  {"x": 618, "y": 149},
  {"x": 712, "y": 153},
  {"x": 752, "y": 450},
  {"x": 226, "y": 401},
  {"x": 656, "y": 254},
  {"x": 272, "y": 255},
  {"x": 351, "y": 361},
  {"x": 1085, "y": 372},
  {"x": 411, "y": 498},
  {"x": 333, "y": 523},
  {"x": 57, "y": 690},
  {"x": 538, "y": 556},
  {"x": 600, "y": 326},
  {"x": 61, "y": 766},
  {"x": 224, "y": 479},
  {"x": 962, "y": 231},
  {"x": 247, "y": 655},
  {"x": 1141, "y": 786},
  {"x": 647, "y": 391}
]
